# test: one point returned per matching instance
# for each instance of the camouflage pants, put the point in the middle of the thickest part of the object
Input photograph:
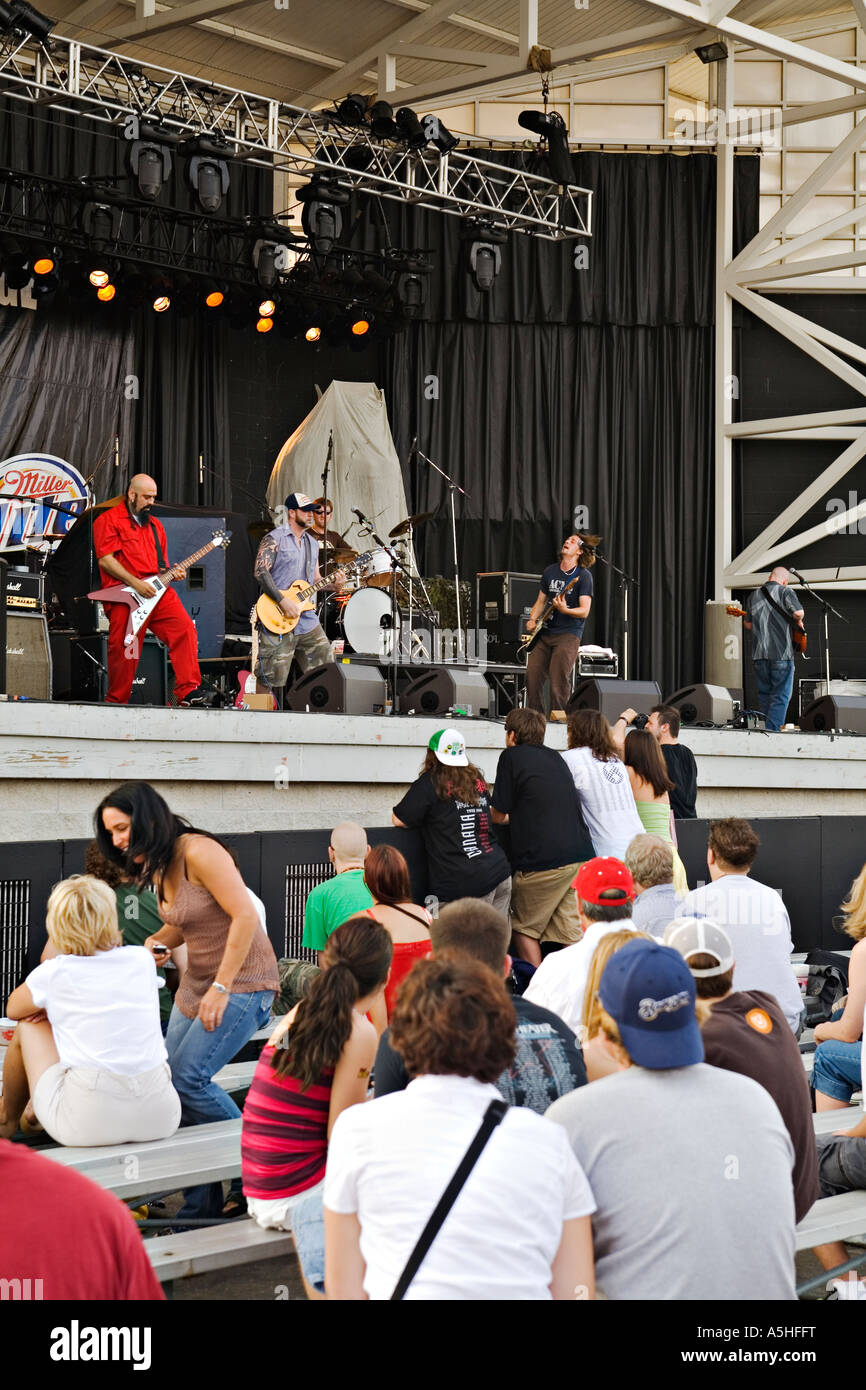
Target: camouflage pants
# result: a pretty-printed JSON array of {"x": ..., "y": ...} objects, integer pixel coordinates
[
  {"x": 296, "y": 977},
  {"x": 276, "y": 653}
]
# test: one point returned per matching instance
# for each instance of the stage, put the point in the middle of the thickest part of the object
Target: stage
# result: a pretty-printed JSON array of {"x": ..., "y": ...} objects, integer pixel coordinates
[{"x": 245, "y": 771}]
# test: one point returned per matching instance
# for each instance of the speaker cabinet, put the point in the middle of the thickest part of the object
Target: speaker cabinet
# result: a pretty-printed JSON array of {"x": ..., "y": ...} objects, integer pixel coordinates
[
  {"x": 439, "y": 690},
  {"x": 89, "y": 670},
  {"x": 703, "y": 704},
  {"x": 339, "y": 689},
  {"x": 841, "y": 712},
  {"x": 2, "y": 626},
  {"x": 28, "y": 656},
  {"x": 611, "y": 697}
]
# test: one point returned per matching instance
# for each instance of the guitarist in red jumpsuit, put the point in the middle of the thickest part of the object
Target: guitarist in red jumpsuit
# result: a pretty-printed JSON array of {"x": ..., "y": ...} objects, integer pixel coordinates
[
  {"x": 554, "y": 654},
  {"x": 131, "y": 544}
]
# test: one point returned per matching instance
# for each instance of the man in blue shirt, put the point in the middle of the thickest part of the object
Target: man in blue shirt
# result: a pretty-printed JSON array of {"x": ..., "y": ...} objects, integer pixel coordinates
[
  {"x": 555, "y": 653},
  {"x": 287, "y": 553}
]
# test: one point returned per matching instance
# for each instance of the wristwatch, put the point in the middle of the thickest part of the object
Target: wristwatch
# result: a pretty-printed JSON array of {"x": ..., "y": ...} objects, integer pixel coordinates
[{"x": 222, "y": 989}]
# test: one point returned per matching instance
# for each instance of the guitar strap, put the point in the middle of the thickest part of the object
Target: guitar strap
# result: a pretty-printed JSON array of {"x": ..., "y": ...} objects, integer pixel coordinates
[
  {"x": 163, "y": 562},
  {"x": 778, "y": 607}
]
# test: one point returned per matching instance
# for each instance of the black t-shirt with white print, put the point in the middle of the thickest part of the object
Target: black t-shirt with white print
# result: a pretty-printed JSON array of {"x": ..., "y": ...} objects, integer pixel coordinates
[{"x": 464, "y": 859}]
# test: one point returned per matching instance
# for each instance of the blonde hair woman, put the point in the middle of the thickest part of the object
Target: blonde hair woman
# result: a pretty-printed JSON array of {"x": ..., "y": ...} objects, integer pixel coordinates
[
  {"x": 837, "y": 1071},
  {"x": 596, "y": 1058},
  {"x": 88, "y": 1050}
]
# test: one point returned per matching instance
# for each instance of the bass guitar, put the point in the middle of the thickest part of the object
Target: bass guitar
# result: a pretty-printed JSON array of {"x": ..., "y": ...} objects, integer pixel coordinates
[
  {"x": 798, "y": 632},
  {"x": 529, "y": 639},
  {"x": 271, "y": 615},
  {"x": 140, "y": 608}
]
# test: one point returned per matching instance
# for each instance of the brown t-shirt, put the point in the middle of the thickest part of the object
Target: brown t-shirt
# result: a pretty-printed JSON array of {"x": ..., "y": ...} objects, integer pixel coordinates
[
  {"x": 748, "y": 1033},
  {"x": 205, "y": 930}
]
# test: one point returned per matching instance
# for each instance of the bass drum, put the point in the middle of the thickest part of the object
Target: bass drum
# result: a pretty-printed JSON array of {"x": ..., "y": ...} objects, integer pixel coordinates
[{"x": 363, "y": 626}]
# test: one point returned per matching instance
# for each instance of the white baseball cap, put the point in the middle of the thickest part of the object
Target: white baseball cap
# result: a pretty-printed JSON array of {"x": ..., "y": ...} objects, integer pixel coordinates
[{"x": 449, "y": 747}]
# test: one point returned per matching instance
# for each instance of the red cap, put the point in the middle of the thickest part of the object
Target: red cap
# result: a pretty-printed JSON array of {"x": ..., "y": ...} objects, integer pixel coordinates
[{"x": 597, "y": 878}]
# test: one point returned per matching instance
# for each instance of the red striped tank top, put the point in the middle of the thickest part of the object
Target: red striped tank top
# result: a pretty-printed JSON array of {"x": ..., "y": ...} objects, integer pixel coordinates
[{"x": 284, "y": 1132}]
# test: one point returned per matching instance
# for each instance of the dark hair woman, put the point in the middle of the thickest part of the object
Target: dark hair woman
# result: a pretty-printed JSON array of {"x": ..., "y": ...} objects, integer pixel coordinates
[
  {"x": 316, "y": 1063},
  {"x": 389, "y": 1162},
  {"x": 602, "y": 784},
  {"x": 386, "y": 874},
  {"x": 227, "y": 990},
  {"x": 450, "y": 807},
  {"x": 650, "y": 784}
]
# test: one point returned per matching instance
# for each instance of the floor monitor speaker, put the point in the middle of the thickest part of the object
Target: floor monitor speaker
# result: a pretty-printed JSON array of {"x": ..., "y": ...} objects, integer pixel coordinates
[
  {"x": 438, "y": 690},
  {"x": 339, "y": 689},
  {"x": 611, "y": 697},
  {"x": 841, "y": 712},
  {"x": 703, "y": 704}
]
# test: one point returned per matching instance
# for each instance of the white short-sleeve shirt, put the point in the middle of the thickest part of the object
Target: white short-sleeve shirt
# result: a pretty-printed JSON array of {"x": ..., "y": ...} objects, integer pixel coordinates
[
  {"x": 389, "y": 1162},
  {"x": 103, "y": 1009},
  {"x": 606, "y": 800}
]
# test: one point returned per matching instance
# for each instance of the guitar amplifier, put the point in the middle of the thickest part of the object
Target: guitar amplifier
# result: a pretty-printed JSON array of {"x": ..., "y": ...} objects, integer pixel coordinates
[
  {"x": 89, "y": 671},
  {"x": 503, "y": 592},
  {"x": 25, "y": 592},
  {"x": 597, "y": 664}
]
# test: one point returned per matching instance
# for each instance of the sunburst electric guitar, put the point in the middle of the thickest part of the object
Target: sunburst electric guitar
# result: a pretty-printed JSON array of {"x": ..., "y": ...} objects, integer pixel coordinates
[
  {"x": 140, "y": 608},
  {"x": 271, "y": 615}
]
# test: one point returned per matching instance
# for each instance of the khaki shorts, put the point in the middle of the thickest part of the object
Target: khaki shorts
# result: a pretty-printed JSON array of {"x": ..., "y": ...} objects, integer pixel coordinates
[
  {"x": 543, "y": 905},
  {"x": 84, "y": 1108}
]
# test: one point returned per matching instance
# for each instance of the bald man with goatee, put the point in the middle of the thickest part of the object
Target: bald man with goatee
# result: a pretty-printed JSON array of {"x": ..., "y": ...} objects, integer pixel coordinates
[
  {"x": 774, "y": 610},
  {"x": 130, "y": 544}
]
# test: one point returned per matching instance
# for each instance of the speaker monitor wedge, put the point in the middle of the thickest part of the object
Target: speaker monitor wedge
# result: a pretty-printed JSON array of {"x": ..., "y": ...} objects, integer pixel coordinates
[
  {"x": 438, "y": 690},
  {"x": 703, "y": 704},
  {"x": 339, "y": 689},
  {"x": 611, "y": 697},
  {"x": 842, "y": 712}
]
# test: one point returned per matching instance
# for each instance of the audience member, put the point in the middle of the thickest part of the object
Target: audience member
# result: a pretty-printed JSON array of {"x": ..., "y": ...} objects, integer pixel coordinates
[
  {"x": 690, "y": 1166},
  {"x": 753, "y": 915},
  {"x": 604, "y": 894},
  {"x": 316, "y": 1063},
  {"x": 664, "y": 724},
  {"x": 66, "y": 1239},
  {"x": 519, "y": 1228},
  {"x": 650, "y": 861},
  {"x": 333, "y": 902},
  {"x": 226, "y": 992},
  {"x": 651, "y": 786},
  {"x": 837, "y": 1070},
  {"x": 88, "y": 1049},
  {"x": 536, "y": 797},
  {"x": 449, "y": 805},
  {"x": 599, "y": 1061},
  {"x": 386, "y": 874},
  {"x": 548, "y": 1061},
  {"x": 745, "y": 1031},
  {"x": 842, "y": 1168},
  {"x": 602, "y": 784}
]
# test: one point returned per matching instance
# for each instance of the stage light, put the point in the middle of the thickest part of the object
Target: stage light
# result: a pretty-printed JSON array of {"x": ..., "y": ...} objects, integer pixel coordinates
[
  {"x": 207, "y": 172},
  {"x": 101, "y": 222},
  {"x": 151, "y": 165},
  {"x": 313, "y": 333},
  {"x": 352, "y": 110},
  {"x": 214, "y": 296},
  {"x": 410, "y": 128},
  {"x": 161, "y": 296},
  {"x": 550, "y": 126},
  {"x": 267, "y": 308},
  {"x": 411, "y": 292},
  {"x": 106, "y": 292},
  {"x": 360, "y": 327},
  {"x": 44, "y": 263},
  {"x": 16, "y": 265},
  {"x": 264, "y": 325},
  {"x": 21, "y": 16},
  {"x": 321, "y": 218},
  {"x": 382, "y": 121},
  {"x": 271, "y": 259},
  {"x": 712, "y": 52},
  {"x": 436, "y": 134},
  {"x": 99, "y": 278},
  {"x": 485, "y": 257}
]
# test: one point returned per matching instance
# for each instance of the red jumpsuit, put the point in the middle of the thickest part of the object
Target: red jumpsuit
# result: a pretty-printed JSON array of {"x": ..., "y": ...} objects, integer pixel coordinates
[{"x": 133, "y": 546}]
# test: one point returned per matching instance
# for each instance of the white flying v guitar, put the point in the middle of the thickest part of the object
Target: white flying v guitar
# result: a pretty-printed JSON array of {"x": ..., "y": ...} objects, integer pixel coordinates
[{"x": 140, "y": 608}]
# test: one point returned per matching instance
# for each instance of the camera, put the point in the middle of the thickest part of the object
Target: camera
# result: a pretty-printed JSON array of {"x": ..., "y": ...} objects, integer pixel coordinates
[{"x": 640, "y": 721}]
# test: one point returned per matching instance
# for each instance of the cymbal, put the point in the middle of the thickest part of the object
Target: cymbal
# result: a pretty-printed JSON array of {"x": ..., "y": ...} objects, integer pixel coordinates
[{"x": 403, "y": 526}]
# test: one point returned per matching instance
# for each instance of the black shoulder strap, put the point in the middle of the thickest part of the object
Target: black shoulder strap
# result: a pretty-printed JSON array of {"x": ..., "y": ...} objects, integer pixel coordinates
[
  {"x": 492, "y": 1117},
  {"x": 789, "y": 617},
  {"x": 163, "y": 562}
]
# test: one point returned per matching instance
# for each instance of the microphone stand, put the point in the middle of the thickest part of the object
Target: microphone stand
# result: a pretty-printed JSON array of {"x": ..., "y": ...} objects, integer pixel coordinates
[
  {"x": 452, "y": 488},
  {"x": 323, "y": 556},
  {"x": 624, "y": 581},
  {"x": 396, "y": 564},
  {"x": 826, "y": 608}
]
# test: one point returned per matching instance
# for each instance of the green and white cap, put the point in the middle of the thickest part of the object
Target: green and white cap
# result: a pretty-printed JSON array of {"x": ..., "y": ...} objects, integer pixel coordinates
[{"x": 449, "y": 747}]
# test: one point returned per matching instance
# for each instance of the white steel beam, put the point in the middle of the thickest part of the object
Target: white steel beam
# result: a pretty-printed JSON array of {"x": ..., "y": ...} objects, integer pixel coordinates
[
  {"x": 839, "y": 106},
  {"x": 173, "y": 18},
  {"x": 860, "y": 11},
  {"x": 831, "y": 525},
  {"x": 789, "y": 323},
  {"x": 528, "y": 26},
  {"x": 817, "y": 233},
  {"x": 834, "y": 432},
  {"x": 814, "y": 265},
  {"x": 462, "y": 21},
  {"x": 768, "y": 42},
  {"x": 780, "y": 423},
  {"x": 336, "y": 86},
  {"x": 724, "y": 349},
  {"x": 144, "y": 8},
  {"x": 843, "y": 577}
]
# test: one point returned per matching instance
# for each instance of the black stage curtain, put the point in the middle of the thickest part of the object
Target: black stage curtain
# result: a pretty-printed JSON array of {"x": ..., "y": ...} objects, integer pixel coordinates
[{"x": 571, "y": 388}]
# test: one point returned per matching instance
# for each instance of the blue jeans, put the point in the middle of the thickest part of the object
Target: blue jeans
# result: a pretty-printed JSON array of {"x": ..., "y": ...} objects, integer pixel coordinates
[
  {"x": 836, "y": 1070},
  {"x": 195, "y": 1056},
  {"x": 775, "y": 683}
]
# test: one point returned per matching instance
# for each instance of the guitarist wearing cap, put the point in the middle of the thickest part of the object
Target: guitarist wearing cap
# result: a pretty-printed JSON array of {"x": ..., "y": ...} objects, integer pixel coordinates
[
  {"x": 774, "y": 614},
  {"x": 566, "y": 590}
]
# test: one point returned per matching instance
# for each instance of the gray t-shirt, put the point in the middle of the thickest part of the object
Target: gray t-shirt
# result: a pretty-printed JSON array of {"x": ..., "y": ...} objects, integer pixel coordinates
[
  {"x": 771, "y": 633},
  {"x": 691, "y": 1173}
]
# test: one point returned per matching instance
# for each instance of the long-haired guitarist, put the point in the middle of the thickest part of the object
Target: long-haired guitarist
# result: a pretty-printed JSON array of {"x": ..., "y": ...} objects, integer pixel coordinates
[
  {"x": 775, "y": 613},
  {"x": 566, "y": 586},
  {"x": 130, "y": 544},
  {"x": 290, "y": 552}
]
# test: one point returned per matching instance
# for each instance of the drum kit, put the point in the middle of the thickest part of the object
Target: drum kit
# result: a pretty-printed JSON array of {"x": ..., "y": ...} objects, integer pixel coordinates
[{"x": 379, "y": 597}]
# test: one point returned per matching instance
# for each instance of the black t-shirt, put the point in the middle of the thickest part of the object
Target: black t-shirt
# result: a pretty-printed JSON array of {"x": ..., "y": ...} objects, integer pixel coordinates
[
  {"x": 464, "y": 860},
  {"x": 535, "y": 789},
  {"x": 548, "y": 1064},
  {"x": 553, "y": 581},
  {"x": 683, "y": 772}
]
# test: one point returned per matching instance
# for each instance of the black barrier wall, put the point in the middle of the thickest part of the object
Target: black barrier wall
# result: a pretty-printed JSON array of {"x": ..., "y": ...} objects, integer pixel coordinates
[{"x": 811, "y": 861}]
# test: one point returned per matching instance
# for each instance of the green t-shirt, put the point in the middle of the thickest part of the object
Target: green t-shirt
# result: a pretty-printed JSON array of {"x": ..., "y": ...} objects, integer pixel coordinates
[
  {"x": 138, "y": 918},
  {"x": 332, "y": 903}
]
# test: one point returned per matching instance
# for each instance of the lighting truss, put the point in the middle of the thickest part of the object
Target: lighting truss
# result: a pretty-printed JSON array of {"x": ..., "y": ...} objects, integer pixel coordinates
[{"x": 107, "y": 87}]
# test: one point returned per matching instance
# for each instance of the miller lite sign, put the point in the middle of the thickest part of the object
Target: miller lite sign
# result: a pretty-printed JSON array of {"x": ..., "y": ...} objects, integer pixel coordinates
[{"x": 35, "y": 491}]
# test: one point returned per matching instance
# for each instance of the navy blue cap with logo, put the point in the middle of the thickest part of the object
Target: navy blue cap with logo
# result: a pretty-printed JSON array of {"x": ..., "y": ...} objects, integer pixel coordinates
[{"x": 649, "y": 991}]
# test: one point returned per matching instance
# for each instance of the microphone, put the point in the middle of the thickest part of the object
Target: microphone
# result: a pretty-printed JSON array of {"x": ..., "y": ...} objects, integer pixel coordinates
[
  {"x": 413, "y": 449},
  {"x": 360, "y": 515},
  {"x": 796, "y": 574}
]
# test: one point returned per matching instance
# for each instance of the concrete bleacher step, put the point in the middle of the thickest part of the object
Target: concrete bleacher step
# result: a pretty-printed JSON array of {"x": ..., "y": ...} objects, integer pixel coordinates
[
  {"x": 237, "y": 1076},
  {"x": 827, "y": 1121},
  {"x": 200, "y": 1154},
  {"x": 240, "y": 1242},
  {"x": 832, "y": 1218}
]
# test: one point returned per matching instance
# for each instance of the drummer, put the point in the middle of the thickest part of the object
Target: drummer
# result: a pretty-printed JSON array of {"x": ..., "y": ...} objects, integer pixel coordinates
[{"x": 321, "y": 522}]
